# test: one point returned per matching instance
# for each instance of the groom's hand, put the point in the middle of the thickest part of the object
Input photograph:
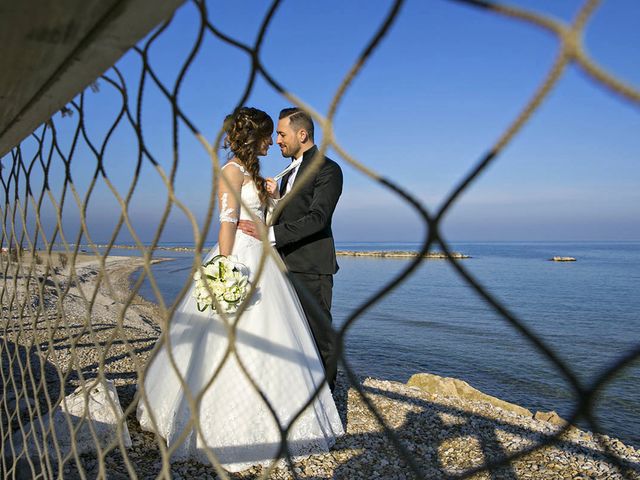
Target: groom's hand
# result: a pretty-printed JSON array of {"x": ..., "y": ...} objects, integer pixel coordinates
[{"x": 250, "y": 228}]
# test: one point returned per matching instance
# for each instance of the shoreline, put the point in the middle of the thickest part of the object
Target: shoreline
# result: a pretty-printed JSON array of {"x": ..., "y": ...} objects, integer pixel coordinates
[
  {"x": 446, "y": 432},
  {"x": 432, "y": 255}
]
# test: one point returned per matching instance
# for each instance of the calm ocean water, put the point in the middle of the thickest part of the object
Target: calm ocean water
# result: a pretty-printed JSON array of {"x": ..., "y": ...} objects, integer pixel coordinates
[{"x": 587, "y": 311}]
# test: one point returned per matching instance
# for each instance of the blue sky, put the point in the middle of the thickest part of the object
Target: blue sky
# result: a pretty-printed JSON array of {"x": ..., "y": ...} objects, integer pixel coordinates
[{"x": 444, "y": 84}]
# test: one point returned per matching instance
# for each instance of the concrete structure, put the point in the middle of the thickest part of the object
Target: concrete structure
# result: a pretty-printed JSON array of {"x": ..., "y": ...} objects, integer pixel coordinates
[{"x": 52, "y": 50}]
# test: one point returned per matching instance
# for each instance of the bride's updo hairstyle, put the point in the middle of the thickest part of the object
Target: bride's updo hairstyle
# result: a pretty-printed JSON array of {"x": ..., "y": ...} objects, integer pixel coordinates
[{"x": 246, "y": 131}]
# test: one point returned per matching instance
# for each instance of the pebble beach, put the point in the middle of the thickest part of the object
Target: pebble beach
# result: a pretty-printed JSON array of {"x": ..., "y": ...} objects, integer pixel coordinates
[{"x": 443, "y": 435}]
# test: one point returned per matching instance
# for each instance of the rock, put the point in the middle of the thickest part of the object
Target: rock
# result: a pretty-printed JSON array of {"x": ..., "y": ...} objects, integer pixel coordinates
[
  {"x": 102, "y": 414},
  {"x": 563, "y": 259},
  {"x": 452, "y": 387},
  {"x": 550, "y": 417}
]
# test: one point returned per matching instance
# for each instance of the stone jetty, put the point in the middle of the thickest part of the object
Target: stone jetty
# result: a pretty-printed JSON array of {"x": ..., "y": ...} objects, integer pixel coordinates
[{"x": 400, "y": 254}]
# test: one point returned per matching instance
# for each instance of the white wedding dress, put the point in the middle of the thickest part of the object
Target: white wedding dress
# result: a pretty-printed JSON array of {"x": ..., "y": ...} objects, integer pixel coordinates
[{"x": 275, "y": 345}]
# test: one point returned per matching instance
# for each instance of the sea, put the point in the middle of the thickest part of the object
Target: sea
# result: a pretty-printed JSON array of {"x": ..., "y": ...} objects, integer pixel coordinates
[{"x": 586, "y": 312}]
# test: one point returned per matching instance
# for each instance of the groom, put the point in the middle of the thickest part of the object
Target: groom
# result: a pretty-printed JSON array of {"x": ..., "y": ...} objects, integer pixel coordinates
[{"x": 302, "y": 233}]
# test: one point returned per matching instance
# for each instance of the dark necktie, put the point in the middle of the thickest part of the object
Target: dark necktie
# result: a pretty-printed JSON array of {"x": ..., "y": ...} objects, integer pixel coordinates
[
  {"x": 285, "y": 179},
  {"x": 283, "y": 183}
]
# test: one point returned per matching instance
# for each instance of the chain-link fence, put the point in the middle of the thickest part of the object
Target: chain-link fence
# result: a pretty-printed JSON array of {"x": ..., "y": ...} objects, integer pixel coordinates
[{"x": 70, "y": 323}]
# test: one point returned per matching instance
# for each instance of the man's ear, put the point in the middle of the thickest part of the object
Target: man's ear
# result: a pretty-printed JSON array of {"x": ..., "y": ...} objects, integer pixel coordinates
[{"x": 303, "y": 136}]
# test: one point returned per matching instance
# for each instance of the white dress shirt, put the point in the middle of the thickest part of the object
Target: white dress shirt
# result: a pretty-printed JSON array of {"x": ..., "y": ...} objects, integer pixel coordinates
[
  {"x": 290, "y": 180},
  {"x": 292, "y": 177}
]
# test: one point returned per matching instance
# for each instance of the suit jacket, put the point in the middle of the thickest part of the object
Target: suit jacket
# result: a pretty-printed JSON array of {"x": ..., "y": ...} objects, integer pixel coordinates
[{"x": 303, "y": 229}]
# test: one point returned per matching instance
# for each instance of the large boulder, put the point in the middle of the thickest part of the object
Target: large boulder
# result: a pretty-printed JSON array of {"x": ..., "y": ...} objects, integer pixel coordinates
[
  {"x": 550, "y": 417},
  {"x": 97, "y": 409},
  {"x": 452, "y": 387}
]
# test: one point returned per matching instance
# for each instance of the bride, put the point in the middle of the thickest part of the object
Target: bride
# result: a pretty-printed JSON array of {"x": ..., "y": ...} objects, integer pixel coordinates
[{"x": 238, "y": 424}]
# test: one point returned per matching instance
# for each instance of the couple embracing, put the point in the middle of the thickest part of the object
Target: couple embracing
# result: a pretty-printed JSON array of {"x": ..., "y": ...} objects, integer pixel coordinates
[{"x": 266, "y": 370}]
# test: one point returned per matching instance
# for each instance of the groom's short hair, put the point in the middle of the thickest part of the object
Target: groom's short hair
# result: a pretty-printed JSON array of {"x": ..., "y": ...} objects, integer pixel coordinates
[{"x": 298, "y": 119}]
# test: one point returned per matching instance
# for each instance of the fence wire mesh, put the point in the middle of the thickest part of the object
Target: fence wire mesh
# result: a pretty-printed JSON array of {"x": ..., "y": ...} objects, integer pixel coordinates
[{"x": 59, "y": 333}]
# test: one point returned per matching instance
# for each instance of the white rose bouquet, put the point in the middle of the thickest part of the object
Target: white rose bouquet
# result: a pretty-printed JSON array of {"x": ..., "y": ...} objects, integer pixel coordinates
[{"x": 224, "y": 279}]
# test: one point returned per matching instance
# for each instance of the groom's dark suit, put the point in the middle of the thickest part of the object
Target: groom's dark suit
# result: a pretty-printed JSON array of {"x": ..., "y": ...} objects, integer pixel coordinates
[{"x": 305, "y": 241}]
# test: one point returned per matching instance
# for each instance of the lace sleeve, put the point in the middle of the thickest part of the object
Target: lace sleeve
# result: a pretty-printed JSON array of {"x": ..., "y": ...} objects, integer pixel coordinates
[
  {"x": 227, "y": 214},
  {"x": 229, "y": 205}
]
